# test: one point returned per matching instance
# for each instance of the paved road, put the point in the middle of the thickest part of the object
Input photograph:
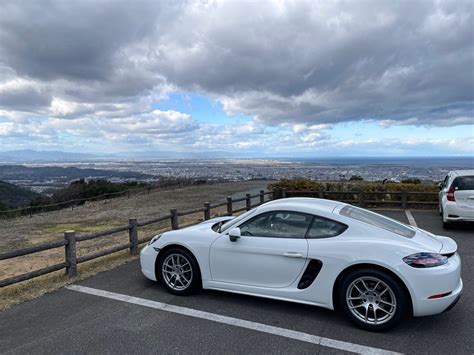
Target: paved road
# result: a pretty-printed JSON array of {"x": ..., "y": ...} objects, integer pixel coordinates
[{"x": 67, "y": 321}]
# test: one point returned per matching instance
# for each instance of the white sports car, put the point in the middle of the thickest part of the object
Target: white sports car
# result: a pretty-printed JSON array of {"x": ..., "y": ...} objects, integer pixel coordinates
[{"x": 313, "y": 251}]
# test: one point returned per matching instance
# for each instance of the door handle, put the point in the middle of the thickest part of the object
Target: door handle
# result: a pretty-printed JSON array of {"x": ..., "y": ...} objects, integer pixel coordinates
[{"x": 289, "y": 254}]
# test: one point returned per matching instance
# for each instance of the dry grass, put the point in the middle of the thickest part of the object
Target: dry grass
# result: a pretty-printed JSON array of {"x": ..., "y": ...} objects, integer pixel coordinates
[
  {"x": 28, "y": 231},
  {"x": 27, "y": 290}
]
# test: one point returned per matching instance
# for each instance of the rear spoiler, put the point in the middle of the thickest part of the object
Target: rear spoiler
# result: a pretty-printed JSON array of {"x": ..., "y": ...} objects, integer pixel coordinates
[{"x": 449, "y": 246}]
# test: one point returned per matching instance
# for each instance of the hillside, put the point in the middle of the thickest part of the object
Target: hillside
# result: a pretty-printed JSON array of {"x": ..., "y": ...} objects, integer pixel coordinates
[{"x": 12, "y": 196}]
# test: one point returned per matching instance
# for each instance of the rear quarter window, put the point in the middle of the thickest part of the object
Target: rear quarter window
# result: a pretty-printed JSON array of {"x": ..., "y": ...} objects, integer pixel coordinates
[{"x": 325, "y": 228}]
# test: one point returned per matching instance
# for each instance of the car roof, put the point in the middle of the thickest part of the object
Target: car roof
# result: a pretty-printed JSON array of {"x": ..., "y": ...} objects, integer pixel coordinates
[
  {"x": 463, "y": 172},
  {"x": 307, "y": 203}
]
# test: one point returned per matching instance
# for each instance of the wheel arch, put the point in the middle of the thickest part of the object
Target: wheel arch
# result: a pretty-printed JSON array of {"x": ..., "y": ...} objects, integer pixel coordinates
[
  {"x": 174, "y": 246},
  {"x": 350, "y": 268}
]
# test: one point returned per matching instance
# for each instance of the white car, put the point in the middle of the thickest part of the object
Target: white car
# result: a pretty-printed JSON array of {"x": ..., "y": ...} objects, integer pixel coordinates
[
  {"x": 313, "y": 251},
  {"x": 456, "y": 197}
]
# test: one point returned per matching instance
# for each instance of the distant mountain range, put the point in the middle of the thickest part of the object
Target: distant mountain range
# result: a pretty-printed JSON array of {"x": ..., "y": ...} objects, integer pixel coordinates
[{"x": 30, "y": 156}]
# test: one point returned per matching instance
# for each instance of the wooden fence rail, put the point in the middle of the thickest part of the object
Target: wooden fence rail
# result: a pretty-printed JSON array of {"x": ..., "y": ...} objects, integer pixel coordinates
[{"x": 71, "y": 238}]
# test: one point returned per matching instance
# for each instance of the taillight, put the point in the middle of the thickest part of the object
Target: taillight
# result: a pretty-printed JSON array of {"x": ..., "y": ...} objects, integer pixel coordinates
[
  {"x": 424, "y": 260},
  {"x": 450, "y": 194}
]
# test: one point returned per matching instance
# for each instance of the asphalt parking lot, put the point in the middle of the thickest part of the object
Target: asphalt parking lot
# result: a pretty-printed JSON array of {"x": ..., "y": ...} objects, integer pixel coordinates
[{"x": 138, "y": 316}]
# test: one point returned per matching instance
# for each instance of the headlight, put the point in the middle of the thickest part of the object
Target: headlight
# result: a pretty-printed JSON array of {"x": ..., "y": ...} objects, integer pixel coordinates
[
  {"x": 424, "y": 260},
  {"x": 154, "y": 239}
]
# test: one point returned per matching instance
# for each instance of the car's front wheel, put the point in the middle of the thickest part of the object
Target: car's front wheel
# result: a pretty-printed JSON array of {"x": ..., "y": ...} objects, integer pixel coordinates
[
  {"x": 372, "y": 299},
  {"x": 178, "y": 271}
]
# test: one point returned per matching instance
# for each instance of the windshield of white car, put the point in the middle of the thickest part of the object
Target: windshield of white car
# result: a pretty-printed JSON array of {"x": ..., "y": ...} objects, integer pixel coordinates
[
  {"x": 236, "y": 220},
  {"x": 378, "y": 220}
]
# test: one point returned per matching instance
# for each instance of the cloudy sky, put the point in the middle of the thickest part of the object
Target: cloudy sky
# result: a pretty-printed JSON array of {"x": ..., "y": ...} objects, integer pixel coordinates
[{"x": 256, "y": 78}]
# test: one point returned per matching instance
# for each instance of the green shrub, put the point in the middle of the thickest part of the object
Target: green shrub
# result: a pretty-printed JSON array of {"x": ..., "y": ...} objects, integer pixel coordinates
[{"x": 311, "y": 188}]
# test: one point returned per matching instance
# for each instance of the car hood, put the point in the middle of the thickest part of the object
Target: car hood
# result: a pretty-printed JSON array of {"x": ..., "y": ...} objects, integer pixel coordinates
[{"x": 206, "y": 225}]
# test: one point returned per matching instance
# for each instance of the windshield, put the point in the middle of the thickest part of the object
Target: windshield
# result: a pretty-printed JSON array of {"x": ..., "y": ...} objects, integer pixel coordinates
[
  {"x": 236, "y": 220},
  {"x": 378, "y": 220}
]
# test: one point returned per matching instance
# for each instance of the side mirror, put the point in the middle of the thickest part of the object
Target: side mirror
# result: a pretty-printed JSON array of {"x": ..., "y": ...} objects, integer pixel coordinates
[
  {"x": 234, "y": 234},
  {"x": 441, "y": 185}
]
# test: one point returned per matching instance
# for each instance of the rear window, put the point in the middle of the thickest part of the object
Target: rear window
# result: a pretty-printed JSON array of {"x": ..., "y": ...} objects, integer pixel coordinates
[
  {"x": 377, "y": 220},
  {"x": 463, "y": 183}
]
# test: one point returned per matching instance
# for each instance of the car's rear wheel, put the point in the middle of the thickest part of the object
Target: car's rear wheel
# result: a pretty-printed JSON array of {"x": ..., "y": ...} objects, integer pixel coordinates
[
  {"x": 446, "y": 223},
  {"x": 178, "y": 271},
  {"x": 372, "y": 299}
]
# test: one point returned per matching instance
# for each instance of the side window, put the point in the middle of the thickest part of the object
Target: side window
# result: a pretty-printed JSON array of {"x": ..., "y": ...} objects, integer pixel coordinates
[
  {"x": 325, "y": 228},
  {"x": 280, "y": 224},
  {"x": 445, "y": 182}
]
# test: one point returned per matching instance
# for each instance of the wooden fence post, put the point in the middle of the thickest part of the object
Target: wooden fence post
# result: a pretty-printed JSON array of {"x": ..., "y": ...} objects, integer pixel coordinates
[
  {"x": 229, "y": 206},
  {"x": 207, "y": 210},
  {"x": 174, "y": 219},
  {"x": 321, "y": 194},
  {"x": 248, "y": 202},
  {"x": 133, "y": 236},
  {"x": 283, "y": 193},
  {"x": 262, "y": 196},
  {"x": 71, "y": 257},
  {"x": 361, "y": 199},
  {"x": 404, "y": 200}
]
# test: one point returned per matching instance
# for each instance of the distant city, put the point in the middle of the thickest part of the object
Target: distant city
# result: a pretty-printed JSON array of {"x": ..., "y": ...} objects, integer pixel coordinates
[{"x": 42, "y": 176}]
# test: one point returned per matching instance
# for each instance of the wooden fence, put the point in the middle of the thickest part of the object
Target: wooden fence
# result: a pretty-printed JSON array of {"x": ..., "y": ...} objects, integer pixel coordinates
[
  {"x": 398, "y": 199},
  {"x": 71, "y": 238}
]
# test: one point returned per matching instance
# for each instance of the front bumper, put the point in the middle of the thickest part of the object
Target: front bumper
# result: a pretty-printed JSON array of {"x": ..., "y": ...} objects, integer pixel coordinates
[
  {"x": 147, "y": 262},
  {"x": 435, "y": 281}
]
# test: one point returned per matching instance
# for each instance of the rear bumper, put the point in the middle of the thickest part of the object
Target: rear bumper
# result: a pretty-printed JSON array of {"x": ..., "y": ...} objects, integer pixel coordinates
[
  {"x": 458, "y": 297},
  {"x": 454, "y": 213},
  {"x": 425, "y": 283}
]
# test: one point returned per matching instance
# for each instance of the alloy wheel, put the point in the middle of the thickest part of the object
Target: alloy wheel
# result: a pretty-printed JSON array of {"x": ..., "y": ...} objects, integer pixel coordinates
[
  {"x": 371, "y": 300},
  {"x": 177, "y": 271}
]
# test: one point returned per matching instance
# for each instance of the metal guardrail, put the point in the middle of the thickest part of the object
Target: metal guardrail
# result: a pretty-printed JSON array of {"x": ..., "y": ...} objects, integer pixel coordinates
[{"x": 71, "y": 238}]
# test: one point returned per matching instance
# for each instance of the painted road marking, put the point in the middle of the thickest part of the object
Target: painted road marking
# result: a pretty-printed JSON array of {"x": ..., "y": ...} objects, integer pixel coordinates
[
  {"x": 264, "y": 328},
  {"x": 411, "y": 219}
]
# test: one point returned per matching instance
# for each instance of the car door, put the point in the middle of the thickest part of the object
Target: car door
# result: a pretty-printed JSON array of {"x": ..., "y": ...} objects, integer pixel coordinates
[
  {"x": 271, "y": 251},
  {"x": 442, "y": 191}
]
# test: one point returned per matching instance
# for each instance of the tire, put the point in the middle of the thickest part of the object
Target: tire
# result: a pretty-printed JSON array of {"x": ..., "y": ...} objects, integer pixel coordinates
[
  {"x": 184, "y": 278},
  {"x": 446, "y": 225},
  {"x": 379, "y": 305}
]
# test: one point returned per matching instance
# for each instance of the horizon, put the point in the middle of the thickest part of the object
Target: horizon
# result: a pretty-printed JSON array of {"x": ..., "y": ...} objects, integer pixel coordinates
[
  {"x": 298, "y": 79},
  {"x": 97, "y": 157}
]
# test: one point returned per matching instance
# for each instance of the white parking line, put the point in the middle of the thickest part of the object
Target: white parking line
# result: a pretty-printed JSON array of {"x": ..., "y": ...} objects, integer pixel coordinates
[
  {"x": 264, "y": 328},
  {"x": 411, "y": 219}
]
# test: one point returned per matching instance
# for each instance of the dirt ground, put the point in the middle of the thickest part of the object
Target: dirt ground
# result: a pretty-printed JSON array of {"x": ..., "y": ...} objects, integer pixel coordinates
[{"x": 28, "y": 231}]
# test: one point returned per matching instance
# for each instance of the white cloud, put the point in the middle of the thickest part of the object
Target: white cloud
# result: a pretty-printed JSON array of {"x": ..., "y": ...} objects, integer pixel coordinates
[{"x": 93, "y": 70}]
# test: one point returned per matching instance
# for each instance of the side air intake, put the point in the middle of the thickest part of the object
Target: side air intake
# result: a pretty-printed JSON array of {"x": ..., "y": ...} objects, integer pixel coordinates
[{"x": 310, "y": 274}]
